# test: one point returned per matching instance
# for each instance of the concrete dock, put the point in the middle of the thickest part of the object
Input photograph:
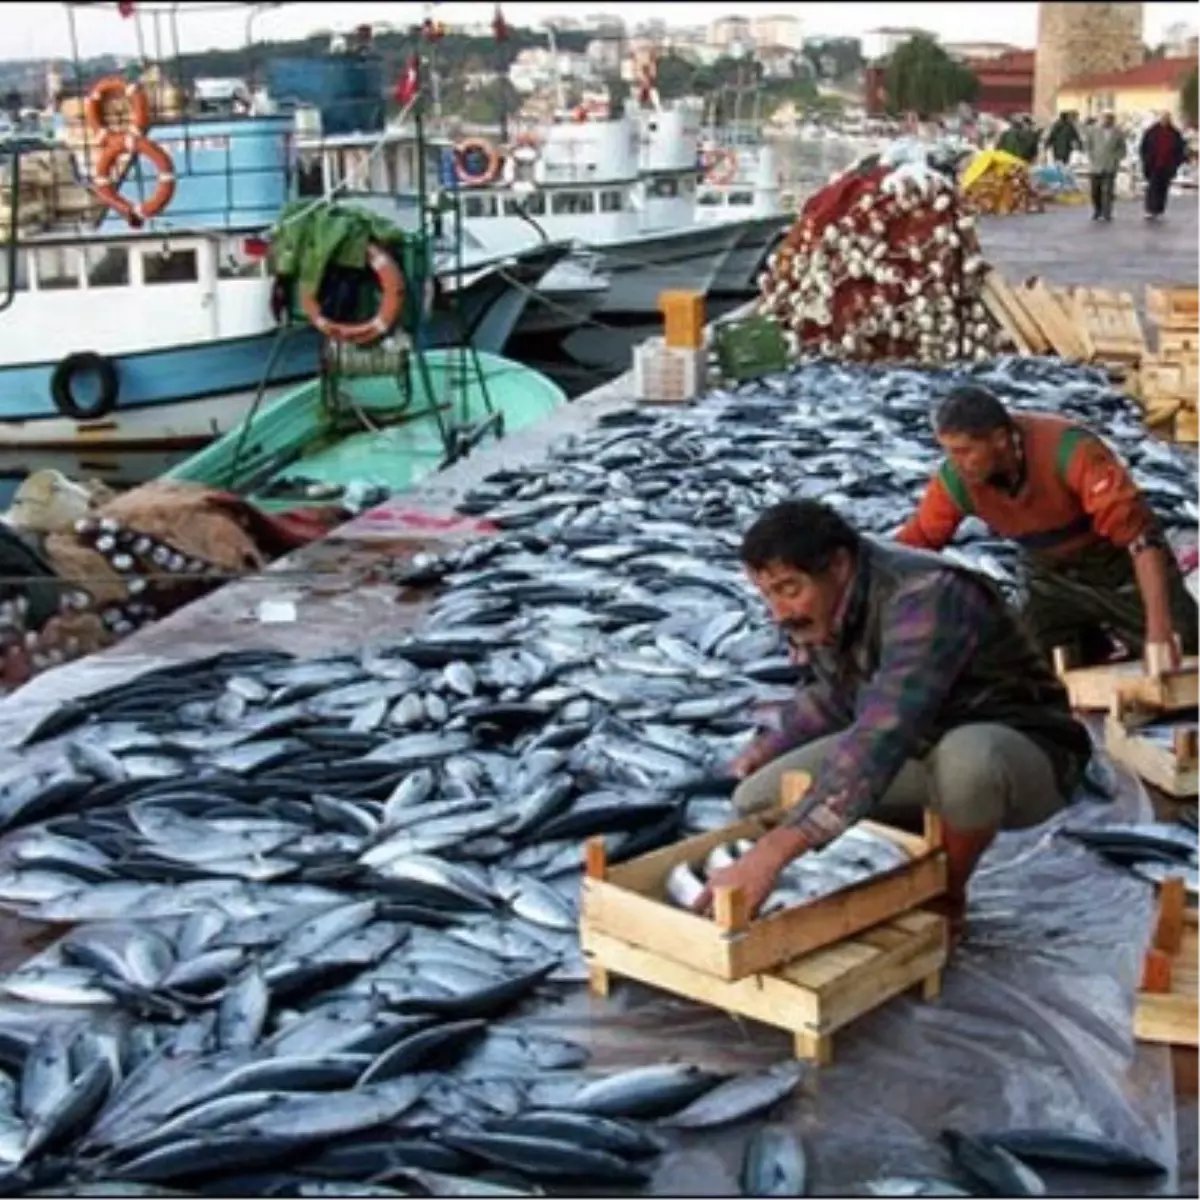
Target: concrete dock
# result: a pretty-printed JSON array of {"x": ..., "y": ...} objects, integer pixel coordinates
[{"x": 335, "y": 595}]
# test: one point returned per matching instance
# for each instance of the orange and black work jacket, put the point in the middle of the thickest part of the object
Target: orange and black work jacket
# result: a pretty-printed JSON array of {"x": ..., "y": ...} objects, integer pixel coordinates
[{"x": 1074, "y": 496}]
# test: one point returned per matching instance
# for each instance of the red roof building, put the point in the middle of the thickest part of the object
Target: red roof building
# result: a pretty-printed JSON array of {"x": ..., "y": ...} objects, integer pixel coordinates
[
  {"x": 1152, "y": 87},
  {"x": 1005, "y": 84}
]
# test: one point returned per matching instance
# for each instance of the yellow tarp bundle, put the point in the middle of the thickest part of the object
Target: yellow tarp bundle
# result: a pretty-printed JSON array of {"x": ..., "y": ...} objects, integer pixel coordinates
[{"x": 984, "y": 162}]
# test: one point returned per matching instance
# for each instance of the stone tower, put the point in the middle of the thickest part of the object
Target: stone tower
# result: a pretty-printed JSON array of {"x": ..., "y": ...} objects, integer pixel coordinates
[{"x": 1082, "y": 39}]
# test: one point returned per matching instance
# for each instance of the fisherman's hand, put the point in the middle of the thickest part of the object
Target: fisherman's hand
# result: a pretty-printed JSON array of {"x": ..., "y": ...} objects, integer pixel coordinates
[
  {"x": 1162, "y": 652},
  {"x": 756, "y": 755},
  {"x": 755, "y": 873}
]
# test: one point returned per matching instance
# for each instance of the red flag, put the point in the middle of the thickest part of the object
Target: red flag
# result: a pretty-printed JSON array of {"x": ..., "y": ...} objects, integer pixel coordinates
[
  {"x": 499, "y": 26},
  {"x": 125, "y": 8},
  {"x": 409, "y": 84}
]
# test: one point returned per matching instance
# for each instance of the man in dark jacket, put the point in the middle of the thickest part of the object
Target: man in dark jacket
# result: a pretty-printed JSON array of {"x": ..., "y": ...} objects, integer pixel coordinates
[
  {"x": 1063, "y": 138},
  {"x": 928, "y": 694},
  {"x": 1163, "y": 152}
]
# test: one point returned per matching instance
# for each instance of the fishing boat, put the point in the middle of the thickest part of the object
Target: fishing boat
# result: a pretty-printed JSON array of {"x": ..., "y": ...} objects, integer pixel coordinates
[
  {"x": 138, "y": 316},
  {"x": 373, "y": 427},
  {"x": 742, "y": 181}
]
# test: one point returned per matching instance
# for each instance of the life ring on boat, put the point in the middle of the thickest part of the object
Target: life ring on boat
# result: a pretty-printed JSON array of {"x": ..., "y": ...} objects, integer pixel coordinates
[
  {"x": 112, "y": 87},
  {"x": 62, "y": 386},
  {"x": 105, "y": 186},
  {"x": 720, "y": 167},
  {"x": 470, "y": 148},
  {"x": 391, "y": 298}
]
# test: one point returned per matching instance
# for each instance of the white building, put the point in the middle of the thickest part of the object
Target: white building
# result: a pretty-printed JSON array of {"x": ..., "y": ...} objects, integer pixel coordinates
[
  {"x": 726, "y": 31},
  {"x": 879, "y": 43},
  {"x": 784, "y": 32}
]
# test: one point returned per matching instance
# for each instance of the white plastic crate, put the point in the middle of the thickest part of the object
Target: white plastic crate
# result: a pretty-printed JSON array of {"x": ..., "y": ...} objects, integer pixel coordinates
[{"x": 666, "y": 375}]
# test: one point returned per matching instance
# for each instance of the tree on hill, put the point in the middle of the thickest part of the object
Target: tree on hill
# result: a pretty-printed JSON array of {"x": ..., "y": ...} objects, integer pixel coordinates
[
  {"x": 1187, "y": 99},
  {"x": 921, "y": 77}
]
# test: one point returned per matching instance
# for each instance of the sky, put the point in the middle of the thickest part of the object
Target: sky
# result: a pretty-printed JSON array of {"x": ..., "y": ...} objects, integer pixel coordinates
[{"x": 41, "y": 30}]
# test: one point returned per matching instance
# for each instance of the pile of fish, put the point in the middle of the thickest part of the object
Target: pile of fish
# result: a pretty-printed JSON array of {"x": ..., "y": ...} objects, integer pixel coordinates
[
  {"x": 316, "y": 902},
  {"x": 882, "y": 263},
  {"x": 858, "y": 855},
  {"x": 1153, "y": 850}
]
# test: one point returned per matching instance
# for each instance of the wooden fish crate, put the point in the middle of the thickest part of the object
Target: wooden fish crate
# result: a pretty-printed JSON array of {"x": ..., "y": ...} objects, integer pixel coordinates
[
  {"x": 1097, "y": 688},
  {"x": 1167, "y": 1009},
  {"x": 1173, "y": 307},
  {"x": 1169, "y": 767},
  {"x": 812, "y": 996},
  {"x": 628, "y": 902},
  {"x": 1111, "y": 323}
]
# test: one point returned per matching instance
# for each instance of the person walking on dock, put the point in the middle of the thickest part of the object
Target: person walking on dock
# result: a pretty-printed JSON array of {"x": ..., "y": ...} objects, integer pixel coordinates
[
  {"x": 1094, "y": 556},
  {"x": 1163, "y": 151},
  {"x": 1063, "y": 138},
  {"x": 1105, "y": 150},
  {"x": 928, "y": 694}
]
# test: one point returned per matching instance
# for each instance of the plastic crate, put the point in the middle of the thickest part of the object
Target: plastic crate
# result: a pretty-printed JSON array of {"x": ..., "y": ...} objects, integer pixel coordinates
[
  {"x": 668, "y": 375},
  {"x": 750, "y": 348}
]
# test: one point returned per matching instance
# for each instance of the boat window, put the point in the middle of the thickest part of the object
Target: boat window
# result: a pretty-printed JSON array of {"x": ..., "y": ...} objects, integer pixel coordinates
[
  {"x": 533, "y": 205},
  {"x": 709, "y": 199},
  {"x": 310, "y": 180},
  {"x": 611, "y": 202},
  {"x": 664, "y": 189},
  {"x": 176, "y": 266},
  {"x": 479, "y": 206},
  {"x": 234, "y": 263},
  {"x": 570, "y": 204},
  {"x": 57, "y": 268},
  {"x": 107, "y": 266},
  {"x": 21, "y": 283},
  {"x": 743, "y": 199}
]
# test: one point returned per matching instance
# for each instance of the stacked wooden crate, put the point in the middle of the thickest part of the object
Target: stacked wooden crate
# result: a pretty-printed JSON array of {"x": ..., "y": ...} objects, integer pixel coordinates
[
  {"x": 809, "y": 969},
  {"x": 1169, "y": 378},
  {"x": 1167, "y": 1010}
]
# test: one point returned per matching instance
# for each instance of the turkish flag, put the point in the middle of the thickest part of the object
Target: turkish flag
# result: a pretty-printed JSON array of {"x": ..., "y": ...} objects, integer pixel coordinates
[
  {"x": 499, "y": 26},
  {"x": 125, "y": 8},
  {"x": 409, "y": 85}
]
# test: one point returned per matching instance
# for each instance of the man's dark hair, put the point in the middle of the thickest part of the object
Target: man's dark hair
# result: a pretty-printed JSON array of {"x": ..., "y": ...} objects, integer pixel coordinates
[
  {"x": 802, "y": 534},
  {"x": 972, "y": 410}
]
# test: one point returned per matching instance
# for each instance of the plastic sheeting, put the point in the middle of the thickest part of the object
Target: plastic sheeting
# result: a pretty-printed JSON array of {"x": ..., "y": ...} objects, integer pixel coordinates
[{"x": 1033, "y": 1029}]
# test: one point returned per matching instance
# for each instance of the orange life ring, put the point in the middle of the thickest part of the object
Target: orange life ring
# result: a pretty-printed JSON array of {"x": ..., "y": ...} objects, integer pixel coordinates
[
  {"x": 105, "y": 188},
  {"x": 491, "y": 167},
  {"x": 720, "y": 167},
  {"x": 110, "y": 87},
  {"x": 391, "y": 287}
]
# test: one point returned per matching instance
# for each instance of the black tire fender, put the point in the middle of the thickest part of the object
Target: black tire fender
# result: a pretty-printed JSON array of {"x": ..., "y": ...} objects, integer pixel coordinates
[{"x": 63, "y": 393}]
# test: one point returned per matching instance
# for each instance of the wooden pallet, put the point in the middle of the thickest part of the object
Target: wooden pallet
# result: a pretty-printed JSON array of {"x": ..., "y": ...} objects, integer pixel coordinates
[
  {"x": 1005, "y": 306},
  {"x": 812, "y": 996},
  {"x": 628, "y": 901},
  {"x": 1167, "y": 1009},
  {"x": 1052, "y": 311}
]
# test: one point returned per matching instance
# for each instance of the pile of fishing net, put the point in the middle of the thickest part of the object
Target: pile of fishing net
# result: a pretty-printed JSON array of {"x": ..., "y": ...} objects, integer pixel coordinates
[
  {"x": 882, "y": 264},
  {"x": 998, "y": 184}
]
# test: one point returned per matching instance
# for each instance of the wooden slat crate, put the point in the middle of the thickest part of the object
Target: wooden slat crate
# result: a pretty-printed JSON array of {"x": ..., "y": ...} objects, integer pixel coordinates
[
  {"x": 1178, "y": 344},
  {"x": 1098, "y": 687},
  {"x": 628, "y": 901},
  {"x": 1173, "y": 307},
  {"x": 1169, "y": 765},
  {"x": 1111, "y": 322},
  {"x": 1010, "y": 314},
  {"x": 811, "y": 997},
  {"x": 1167, "y": 1009}
]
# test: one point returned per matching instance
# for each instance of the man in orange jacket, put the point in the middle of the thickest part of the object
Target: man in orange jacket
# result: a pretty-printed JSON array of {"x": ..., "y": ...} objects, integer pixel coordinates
[{"x": 1096, "y": 562}]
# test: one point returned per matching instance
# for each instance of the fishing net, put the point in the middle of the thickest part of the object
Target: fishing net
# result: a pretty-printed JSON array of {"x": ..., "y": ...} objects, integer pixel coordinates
[{"x": 882, "y": 264}]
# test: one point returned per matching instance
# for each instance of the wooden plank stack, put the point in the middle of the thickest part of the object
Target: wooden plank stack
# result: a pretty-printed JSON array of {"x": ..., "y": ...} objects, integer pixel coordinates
[
  {"x": 1169, "y": 378},
  {"x": 809, "y": 969}
]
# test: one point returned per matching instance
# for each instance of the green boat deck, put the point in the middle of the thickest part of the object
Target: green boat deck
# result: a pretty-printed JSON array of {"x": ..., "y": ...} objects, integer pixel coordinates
[{"x": 331, "y": 436}]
